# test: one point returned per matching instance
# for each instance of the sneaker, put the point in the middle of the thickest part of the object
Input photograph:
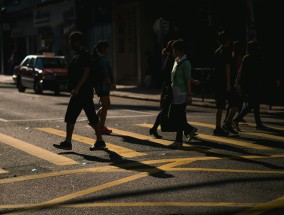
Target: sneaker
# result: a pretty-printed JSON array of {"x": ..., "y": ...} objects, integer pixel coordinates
[
  {"x": 106, "y": 131},
  {"x": 235, "y": 124},
  {"x": 176, "y": 145},
  {"x": 63, "y": 145},
  {"x": 191, "y": 134},
  {"x": 228, "y": 127},
  {"x": 99, "y": 144},
  {"x": 220, "y": 132}
]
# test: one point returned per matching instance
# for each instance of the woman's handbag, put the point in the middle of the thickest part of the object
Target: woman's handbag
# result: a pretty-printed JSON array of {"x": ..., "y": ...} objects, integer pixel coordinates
[
  {"x": 167, "y": 120},
  {"x": 166, "y": 96}
]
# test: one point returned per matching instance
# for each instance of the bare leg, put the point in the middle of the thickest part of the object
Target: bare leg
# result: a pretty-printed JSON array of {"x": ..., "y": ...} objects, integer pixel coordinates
[
  {"x": 69, "y": 132},
  {"x": 102, "y": 112}
]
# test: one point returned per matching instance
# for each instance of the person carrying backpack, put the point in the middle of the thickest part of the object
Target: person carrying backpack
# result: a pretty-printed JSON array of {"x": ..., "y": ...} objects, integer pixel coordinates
[{"x": 103, "y": 81}]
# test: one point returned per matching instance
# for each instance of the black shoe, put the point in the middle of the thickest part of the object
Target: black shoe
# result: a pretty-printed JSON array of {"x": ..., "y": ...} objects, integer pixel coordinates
[
  {"x": 220, "y": 132},
  {"x": 228, "y": 127},
  {"x": 155, "y": 133},
  {"x": 63, "y": 145},
  {"x": 99, "y": 144},
  {"x": 190, "y": 135}
]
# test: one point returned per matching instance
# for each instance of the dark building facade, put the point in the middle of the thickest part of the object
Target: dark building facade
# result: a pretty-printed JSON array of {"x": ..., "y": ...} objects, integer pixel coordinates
[{"x": 137, "y": 30}]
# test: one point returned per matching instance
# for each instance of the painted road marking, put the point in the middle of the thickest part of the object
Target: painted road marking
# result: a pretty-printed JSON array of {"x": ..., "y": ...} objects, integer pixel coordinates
[
  {"x": 264, "y": 207},
  {"x": 257, "y": 134},
  {"x": 122, "y": 151},
  {"x": 173, "y": 163},
  {"x": 3, "y": 120},
  {"x": 223, "y": 140},
  {"x": 3, "y": 171},
  {"x": 36, "y": 151},
  {"x": 164, "y": 204}
]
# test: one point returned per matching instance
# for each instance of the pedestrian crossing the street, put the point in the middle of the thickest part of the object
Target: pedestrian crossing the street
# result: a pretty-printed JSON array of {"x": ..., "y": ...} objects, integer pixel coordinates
[{"x": 129, "y": 151}]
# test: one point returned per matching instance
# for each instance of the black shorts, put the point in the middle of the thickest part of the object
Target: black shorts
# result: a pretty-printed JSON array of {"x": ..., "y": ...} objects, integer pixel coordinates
[
  {"x": 222, "y": 98},
  {"x": 82, "y": 101}
]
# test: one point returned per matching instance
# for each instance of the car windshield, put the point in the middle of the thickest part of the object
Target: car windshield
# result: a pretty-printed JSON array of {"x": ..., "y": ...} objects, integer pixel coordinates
[{"x": 50, "y": 63}]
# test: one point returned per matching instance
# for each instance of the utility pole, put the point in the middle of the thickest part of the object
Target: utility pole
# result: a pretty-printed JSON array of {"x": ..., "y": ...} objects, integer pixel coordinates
[
  {"x": 1, "y": 41},
  {"x": 251, "y": 30}
]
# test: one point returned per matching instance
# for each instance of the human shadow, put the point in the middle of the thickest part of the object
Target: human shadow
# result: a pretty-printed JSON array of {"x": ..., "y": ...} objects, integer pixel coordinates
[
  {"x": 136, "y": 141},
  {"x": 238, "y": 158},
  {"x": 263, "y": 142},
  {"x": 156, "y": 190},
  {"x": 203, "y": 147},
  {"x": 124, "y": 163}
]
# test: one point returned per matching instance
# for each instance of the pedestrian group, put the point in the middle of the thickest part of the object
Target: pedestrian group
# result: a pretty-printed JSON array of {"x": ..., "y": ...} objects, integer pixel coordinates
[{"x": 237, "y": 79}]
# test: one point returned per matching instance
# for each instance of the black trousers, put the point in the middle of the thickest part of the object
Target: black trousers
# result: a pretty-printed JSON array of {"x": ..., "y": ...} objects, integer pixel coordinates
[{"x": 178, "y": 115}]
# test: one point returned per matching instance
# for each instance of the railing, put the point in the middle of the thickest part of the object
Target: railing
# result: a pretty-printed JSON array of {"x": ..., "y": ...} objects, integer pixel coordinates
[{"x": 201, "y": 75}]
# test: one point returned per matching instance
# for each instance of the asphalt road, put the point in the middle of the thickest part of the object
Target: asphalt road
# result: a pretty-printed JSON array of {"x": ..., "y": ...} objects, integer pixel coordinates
[{"x": 136, "y": 174}]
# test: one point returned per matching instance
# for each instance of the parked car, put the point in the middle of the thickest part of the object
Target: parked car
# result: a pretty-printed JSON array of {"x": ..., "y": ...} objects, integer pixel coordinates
[{"x": 41, "y": 72}]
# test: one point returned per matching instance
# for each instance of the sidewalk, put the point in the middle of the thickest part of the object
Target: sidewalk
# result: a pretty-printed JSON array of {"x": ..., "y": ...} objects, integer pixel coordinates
[
  {"x": 150, "y": 94},
  {"x": 143, "y": 93}
]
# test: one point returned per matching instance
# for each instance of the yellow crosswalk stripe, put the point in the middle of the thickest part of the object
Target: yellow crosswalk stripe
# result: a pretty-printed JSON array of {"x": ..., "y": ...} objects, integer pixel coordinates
[
  {"x": 122, "y": 151},
  {"x": 3, "y": 171},
  {"x": 36, "y": 151},
  {"x": 223, "y": 140},
  {"x": 257, "y": 134}
]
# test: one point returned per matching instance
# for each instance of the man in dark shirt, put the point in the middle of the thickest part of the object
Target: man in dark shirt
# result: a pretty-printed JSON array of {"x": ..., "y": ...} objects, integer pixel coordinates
[
  {"x": 82, "y": 93},
  {"x": 223, "y": 86}
]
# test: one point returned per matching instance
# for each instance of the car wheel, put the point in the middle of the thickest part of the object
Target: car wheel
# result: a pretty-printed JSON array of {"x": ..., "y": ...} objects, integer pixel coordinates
[
  {"x": 20, "y": 86},
  {"x": 37, "y": 87}
]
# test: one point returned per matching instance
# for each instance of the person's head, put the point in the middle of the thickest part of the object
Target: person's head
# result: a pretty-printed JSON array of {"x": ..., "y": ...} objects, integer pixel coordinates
[
  {"x": 101, "y": 48},
  {"x": 76, "y": 40},
  {"x": 224, "y": 38},
  {"x": 179, "y": 48}
]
